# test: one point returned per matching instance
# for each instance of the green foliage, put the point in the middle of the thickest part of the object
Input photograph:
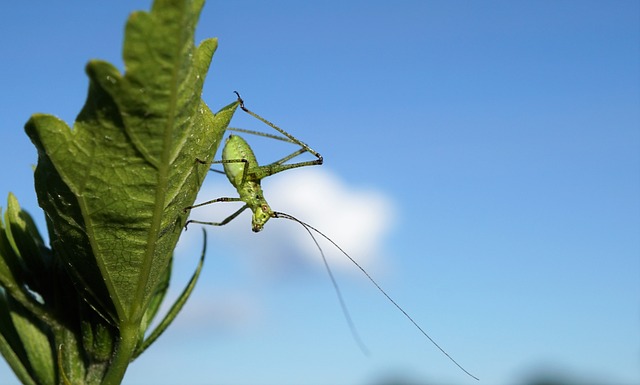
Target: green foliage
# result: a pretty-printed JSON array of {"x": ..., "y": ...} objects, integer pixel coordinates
[{"x": 113, "y": 189}]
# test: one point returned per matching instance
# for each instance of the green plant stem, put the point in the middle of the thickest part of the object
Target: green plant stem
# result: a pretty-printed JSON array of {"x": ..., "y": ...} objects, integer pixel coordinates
[{"x": 124, "y": 354}]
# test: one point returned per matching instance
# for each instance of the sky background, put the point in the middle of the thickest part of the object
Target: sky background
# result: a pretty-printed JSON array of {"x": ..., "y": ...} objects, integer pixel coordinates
[{"x": 482, "y": 162}]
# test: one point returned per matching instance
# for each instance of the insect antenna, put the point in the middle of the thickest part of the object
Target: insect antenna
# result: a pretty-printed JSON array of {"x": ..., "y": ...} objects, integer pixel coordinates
[
  {"x": 343, "y": 305},
  {"x": 308, "y": 227}
]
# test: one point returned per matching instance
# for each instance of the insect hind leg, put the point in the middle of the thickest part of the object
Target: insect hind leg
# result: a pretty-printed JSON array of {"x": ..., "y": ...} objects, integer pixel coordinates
[{"x": 290, "y": 138}]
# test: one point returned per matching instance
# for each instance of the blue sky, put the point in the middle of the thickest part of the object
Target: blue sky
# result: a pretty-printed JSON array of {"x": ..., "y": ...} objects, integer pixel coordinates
[{"x": 482, "y": 160}]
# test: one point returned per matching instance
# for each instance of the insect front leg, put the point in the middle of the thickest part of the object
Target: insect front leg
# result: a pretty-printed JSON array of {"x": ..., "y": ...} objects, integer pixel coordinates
[
  {"x": 223, "y": 199},
  {"x": 225, "y": 221}
]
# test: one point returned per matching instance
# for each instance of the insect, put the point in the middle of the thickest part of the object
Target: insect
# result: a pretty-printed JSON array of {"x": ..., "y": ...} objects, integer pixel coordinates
[{"x": 245, "y": 174}]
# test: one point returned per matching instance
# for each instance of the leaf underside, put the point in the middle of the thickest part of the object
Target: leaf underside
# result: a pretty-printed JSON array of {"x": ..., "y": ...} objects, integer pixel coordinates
[{"x": 117, "y": 183}]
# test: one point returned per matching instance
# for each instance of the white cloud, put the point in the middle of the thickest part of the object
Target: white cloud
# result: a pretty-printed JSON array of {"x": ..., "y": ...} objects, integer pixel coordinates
[
  {"x": 356, "y": 219},
  {"x": 228, "y": 311}
]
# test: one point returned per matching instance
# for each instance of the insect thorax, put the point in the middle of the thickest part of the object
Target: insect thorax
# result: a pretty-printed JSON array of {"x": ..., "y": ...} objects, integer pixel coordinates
[{"x": 251, "y": 193}]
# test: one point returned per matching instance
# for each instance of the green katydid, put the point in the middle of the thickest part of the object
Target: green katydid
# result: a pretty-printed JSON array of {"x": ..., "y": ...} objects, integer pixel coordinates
[{"x": 245, "y": 174}]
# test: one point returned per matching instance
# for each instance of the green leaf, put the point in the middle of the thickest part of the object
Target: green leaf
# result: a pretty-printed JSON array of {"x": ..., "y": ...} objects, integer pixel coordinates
[
  {"x": 14, "y": 362},
  {"x": 26, "y": 320},
  {"x": 25, "y": 239},
  {"x": 114, "y": 187},
  {"x": 24, "y": 261},
  {"x": 10, "y": 344},
  {"x": 72, "y": 364},
  {"x": 11, "y": 269},
  {"x": 37, "y": 354},
  {"x": 34, "y": 258}
]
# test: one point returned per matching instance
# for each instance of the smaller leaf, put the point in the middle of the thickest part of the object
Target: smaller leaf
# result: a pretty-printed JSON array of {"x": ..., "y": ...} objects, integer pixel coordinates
[
  {"x": 63, "y": 376},
  {"x": 177, "y": 306},
  {"x": 10, "y": 345},
  {"x": 14, "y": 362},
  {"x": 71, "y": 359},
  {"x": 35, "y": 342},
  {"x": 15, "y": 276},
  {"x": 25, "y": 238},
  {"x": 156, "y": 301},
  {"x": 11, "y": 271}
]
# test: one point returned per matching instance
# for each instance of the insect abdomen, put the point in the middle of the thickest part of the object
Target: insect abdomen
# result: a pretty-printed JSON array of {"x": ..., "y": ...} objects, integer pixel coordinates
[{"x": 236, "y": 149}]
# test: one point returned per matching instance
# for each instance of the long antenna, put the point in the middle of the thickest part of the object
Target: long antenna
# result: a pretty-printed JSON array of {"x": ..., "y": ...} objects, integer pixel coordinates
[
  {"x": 343, "y": 305},
  {"x": 308, "y": 227}
]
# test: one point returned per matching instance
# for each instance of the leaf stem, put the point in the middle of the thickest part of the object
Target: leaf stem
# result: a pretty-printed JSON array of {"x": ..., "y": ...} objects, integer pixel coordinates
[{"x": 123, "y": 355}]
